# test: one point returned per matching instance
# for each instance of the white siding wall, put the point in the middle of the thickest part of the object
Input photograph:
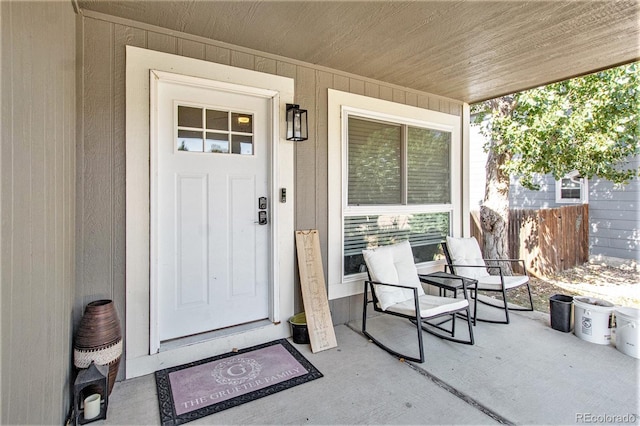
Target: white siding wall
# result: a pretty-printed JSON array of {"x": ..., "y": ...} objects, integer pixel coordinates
[{"x": 477, "y": 163}]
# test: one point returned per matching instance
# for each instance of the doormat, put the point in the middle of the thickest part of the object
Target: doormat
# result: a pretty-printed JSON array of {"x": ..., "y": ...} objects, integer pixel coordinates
[{"x": 205, "y": 387}]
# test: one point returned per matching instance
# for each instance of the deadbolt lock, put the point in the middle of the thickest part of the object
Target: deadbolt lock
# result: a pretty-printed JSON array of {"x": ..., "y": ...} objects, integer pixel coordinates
[{"x": 262, "y": 210}]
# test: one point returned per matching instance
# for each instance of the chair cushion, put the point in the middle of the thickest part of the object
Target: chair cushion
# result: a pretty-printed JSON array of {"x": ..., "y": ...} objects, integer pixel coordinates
[
  {"x": 492, "y": 282},
  {"x": 393, "y": 264},
  {"x": 430, "y": 306},
  {"x": 466, "y": 251}
]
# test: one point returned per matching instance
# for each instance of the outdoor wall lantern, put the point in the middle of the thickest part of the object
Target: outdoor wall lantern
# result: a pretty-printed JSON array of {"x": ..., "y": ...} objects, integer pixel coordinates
[{"x": 297, "y": 127}]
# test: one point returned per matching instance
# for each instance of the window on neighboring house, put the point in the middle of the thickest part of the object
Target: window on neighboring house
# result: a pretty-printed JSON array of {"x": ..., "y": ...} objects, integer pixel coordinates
[
  {"x": 393, "y": 176},
  {"x": 572, "y": 189}
]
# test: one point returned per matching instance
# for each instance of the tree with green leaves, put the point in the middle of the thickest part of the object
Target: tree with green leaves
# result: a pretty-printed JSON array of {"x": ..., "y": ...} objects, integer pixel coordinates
[{"x": 587, "y": 124}]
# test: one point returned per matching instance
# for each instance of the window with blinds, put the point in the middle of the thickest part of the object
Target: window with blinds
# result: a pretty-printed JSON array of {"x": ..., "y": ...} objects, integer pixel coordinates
[
  {"x": 428, "y": 168},
  {"x": 425, "y": 232},
  {"x": 375, "y": 163},
  {"x": 395, "y": 164}
]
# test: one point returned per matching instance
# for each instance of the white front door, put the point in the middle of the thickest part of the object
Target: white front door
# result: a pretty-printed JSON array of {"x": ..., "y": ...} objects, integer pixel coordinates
[{"x": 212, "y": 205}]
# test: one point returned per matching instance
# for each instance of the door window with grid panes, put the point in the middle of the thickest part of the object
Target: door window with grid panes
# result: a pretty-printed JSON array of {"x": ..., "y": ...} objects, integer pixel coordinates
[{"x": 214, "y": 131}]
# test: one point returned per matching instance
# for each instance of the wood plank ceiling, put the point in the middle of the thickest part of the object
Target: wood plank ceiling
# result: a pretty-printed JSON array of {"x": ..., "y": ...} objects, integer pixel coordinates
[{"x": 465, "y": 50}]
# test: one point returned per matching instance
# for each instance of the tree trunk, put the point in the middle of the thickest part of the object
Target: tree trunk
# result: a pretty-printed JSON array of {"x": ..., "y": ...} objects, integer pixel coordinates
[{"x": 494, "y": 212}]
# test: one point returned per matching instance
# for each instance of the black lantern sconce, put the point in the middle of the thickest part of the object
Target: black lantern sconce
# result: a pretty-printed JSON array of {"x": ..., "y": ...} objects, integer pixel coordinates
[
  {"x": 91, "y": 394},
  {"x": 297, "y": 126}
]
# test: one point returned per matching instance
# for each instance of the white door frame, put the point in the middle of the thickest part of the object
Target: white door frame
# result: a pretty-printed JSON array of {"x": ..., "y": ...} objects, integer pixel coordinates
[
  {"x": 155, "y": 78},
  {"x": 141, "y": 338}
]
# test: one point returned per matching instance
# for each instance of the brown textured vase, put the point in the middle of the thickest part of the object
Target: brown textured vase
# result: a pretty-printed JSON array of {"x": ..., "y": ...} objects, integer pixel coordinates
[{"x": 99, "y": 338}]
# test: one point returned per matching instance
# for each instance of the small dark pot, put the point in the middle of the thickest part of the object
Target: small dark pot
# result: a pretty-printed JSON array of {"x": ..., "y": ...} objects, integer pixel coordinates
[{"x": 299, "y": 328}]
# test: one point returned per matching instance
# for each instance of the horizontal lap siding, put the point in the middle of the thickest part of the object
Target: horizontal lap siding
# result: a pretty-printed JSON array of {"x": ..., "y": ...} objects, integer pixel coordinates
[
  {"x": 101, "y": 148},
  {"x": 614, "y": 212},
  {"x": 38, "y": 210},
  {"x": 615, "y": 218}
]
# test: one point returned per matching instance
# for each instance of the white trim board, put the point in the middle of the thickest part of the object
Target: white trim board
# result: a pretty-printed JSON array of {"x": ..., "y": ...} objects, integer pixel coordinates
[{"x": 139, "y": 359}]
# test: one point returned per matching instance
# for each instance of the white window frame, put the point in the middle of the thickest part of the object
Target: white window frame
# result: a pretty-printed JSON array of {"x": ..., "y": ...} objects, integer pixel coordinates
[
  {"x": 584, "y": 190},
  {"x": 340, "y": 106}
]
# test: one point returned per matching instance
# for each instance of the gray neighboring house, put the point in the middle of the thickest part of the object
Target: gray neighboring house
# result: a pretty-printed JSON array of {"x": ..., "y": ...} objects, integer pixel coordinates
[{"x": 614, "y": 215}]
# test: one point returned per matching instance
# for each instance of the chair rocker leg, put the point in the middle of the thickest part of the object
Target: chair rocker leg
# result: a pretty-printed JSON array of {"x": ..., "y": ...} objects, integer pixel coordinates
[
  {"x": 530, "y": 303},
  {"x": 475, "y": 306},
  {"x": 388, "y": 349},
  {"x": 450, "y": 336},
  {"x": 395, "y": 353},
  {"x": 505, "y": 307}
]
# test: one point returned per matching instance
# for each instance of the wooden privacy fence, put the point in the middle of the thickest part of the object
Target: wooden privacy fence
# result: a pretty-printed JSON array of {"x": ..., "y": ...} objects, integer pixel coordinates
[{"x": 549, "y": 240}]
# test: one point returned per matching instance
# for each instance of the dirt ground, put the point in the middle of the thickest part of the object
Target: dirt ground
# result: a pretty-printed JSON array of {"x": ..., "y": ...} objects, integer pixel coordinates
[{"x": 618, "y": 285}]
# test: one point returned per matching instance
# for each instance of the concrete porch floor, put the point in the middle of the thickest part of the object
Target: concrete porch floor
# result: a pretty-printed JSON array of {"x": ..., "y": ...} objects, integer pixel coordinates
[{"x": 521, "y": 373}]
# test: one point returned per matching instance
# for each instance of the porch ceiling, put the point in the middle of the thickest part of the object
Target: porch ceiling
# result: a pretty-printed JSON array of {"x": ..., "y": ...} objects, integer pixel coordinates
[{"x": 465, "y": 50}]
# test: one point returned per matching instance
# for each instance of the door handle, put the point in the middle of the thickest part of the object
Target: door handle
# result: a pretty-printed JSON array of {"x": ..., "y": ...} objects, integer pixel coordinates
[{"x": 262, "y": 217}]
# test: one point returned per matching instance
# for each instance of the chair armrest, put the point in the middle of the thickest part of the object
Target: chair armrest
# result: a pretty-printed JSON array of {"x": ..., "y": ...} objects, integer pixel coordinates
[
  {"x": 414, "y": 289},
  {"x": 471, "y": 266},
  {"x": 504, "y": 260},
  {"x": 519, "y": 261},
  {"x": 408, "y": 287},
  {"x": 499, "y": 268}
]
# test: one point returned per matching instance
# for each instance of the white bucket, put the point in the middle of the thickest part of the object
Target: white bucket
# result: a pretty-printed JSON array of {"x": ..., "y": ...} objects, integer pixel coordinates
[
  {"x": 593, "y": 319},
  {"x": 628, "y": 331}
]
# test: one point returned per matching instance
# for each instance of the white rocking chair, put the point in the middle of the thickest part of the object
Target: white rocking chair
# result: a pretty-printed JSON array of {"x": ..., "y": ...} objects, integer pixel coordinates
[
  {"x": 396, "y": 290},
  {"x": 464, "y": 258}
]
